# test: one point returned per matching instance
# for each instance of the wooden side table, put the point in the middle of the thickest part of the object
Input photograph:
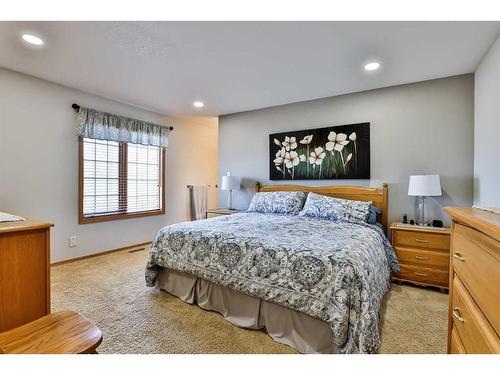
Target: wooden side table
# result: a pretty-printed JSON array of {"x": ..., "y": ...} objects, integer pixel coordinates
[
  {"x": 423, "y": 254},
  {"x": 214, "y": 212},
  {"x": 64, "y": 332}
]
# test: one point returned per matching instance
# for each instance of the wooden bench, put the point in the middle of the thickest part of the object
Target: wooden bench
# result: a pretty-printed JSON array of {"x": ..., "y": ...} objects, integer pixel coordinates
[{"x": 64, "y": 332}]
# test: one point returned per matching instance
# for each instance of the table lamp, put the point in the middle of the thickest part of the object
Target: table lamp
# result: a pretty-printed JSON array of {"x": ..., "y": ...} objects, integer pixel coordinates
[
  {"x": 230, "y": 183},
  {"x": 424, "y": 186}
]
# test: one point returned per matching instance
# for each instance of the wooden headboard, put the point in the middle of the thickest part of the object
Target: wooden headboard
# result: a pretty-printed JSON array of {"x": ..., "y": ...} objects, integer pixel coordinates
[{"x": 358, "y": 193}]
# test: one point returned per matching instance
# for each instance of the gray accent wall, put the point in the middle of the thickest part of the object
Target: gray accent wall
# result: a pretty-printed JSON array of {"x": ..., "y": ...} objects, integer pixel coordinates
[
  {"x": 420, "y": 128},
  {"x": 487, "y": 130}
]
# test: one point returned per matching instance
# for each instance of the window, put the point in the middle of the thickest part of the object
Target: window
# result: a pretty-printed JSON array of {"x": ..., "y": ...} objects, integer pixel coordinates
[{"x": 119, "y": 180}]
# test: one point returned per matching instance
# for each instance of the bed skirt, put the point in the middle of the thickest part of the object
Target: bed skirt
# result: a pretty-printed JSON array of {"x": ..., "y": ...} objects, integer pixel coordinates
[{"x": 298, "y": 330}]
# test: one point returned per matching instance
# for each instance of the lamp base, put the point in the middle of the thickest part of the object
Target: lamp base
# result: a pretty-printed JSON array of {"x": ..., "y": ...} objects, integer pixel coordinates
[
  {"x": 230, "y": 201},
  {"x": 420, "y": 219},
  {"x": 424, "y": 224}
]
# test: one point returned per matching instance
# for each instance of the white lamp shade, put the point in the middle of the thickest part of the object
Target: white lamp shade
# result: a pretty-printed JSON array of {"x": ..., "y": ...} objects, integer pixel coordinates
[
  {"x": 425, "y": 185},
  {"x": 230, "y": 183}
]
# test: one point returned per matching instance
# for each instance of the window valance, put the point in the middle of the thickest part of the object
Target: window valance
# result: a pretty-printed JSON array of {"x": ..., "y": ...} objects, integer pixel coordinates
[{"x": 107, "y": 126}]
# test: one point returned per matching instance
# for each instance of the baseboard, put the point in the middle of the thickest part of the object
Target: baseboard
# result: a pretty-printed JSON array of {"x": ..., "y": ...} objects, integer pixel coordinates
[{"x": 100, "y": 253}]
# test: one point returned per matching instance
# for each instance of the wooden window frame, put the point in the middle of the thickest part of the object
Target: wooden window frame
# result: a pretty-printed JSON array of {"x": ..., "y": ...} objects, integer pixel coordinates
[{"x": 122, "y": 165}]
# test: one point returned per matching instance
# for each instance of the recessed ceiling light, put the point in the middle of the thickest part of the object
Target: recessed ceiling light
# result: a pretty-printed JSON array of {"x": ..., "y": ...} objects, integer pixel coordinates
[
  {"x": 31, "y": 39},
  {"x": 198, "y": 104},
  {"x": 372, "y": 66}
]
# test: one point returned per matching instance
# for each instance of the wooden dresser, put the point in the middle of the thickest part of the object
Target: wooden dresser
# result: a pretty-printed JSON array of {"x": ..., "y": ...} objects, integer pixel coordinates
[
  {"x": 423, "y": 254},
  {"x": 474, "y": 310},
  {"x": 24, "y": 272}
]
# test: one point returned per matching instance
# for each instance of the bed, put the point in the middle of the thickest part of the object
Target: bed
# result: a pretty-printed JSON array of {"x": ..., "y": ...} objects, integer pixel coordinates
[{"x": 313, "y": 284}]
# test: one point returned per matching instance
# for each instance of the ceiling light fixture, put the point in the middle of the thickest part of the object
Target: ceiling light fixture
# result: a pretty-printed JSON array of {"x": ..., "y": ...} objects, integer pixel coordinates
[
  {"x": 372, "y": 66},
  {"x": 31, "y": 39},
  {"x": 198, "y": 104}
]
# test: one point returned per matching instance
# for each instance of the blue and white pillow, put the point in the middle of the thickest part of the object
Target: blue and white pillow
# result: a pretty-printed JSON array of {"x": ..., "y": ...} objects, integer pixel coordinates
[
  {"x": 372, "y": 217},
  {"x": 335, "y": 209},
  {"x": 278, "y": 202}
]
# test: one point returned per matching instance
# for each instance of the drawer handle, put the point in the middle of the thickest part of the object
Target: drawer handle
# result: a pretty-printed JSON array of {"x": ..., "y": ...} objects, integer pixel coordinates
[
  {"x": 421, "y": 241},
  {"x": 420, "y": 257},
  {"x": 421, "y": 274},
  {"x": 458, "y": 256},
  {"x": 457, "y": 316}
]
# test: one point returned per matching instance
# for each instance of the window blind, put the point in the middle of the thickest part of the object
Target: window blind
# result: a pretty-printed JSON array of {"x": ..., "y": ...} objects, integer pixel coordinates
[{"x": 120, "y": 178}]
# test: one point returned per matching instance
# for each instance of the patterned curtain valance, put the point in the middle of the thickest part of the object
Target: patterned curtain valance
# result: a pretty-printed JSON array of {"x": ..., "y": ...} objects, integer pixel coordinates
[{"x": 101, "y": 125}]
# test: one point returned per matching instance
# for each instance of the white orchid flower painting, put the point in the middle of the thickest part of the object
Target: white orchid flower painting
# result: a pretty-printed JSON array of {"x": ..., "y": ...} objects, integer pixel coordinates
[{"x": 340, "y": 152}]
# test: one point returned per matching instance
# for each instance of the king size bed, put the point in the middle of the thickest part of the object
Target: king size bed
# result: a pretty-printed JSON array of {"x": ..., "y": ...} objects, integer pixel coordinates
[{"x": 308, "y": 268}]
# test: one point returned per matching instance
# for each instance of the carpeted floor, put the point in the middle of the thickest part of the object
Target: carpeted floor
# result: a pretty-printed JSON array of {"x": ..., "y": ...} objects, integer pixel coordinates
[{"x": 110, "y": 291}]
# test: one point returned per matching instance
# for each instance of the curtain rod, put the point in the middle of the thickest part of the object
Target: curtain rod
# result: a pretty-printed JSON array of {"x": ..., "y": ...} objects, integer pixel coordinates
[{"x": 76, "y": 107}]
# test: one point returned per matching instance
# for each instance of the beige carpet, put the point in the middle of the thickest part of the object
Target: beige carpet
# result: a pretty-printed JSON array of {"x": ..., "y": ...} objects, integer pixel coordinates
[{"x": 110, "y": 291}]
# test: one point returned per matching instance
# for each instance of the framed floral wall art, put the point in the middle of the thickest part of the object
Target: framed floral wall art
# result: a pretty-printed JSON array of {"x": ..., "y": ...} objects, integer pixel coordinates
[{"x": 336, "y": 152}]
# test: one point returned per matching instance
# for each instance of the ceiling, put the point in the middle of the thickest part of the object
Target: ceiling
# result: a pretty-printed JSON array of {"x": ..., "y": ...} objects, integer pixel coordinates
[{"x": 240, "y": 66}]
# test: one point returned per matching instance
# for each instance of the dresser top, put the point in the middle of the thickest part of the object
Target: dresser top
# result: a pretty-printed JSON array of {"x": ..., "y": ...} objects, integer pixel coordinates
[
  {"x": 416, "y": 228},
  {"x": 28, "y": 224},
  {"x": 484, "y": 221}
]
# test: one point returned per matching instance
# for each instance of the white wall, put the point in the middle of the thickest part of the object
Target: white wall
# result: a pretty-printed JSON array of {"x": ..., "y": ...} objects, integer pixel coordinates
[
  {"x": 487, "y": 130},
  {"x": 420, "y": 128},
  {"x": 39, "y": 164}
]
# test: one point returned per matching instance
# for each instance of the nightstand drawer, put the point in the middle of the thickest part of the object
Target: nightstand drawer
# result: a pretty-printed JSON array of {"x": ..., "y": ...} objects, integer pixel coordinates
[
  {"x": 473, "y": 328},
  {"x": 419, "y": 239},
  {"x": 426, "y": 258},
  {"x": 422, "y": 275}
]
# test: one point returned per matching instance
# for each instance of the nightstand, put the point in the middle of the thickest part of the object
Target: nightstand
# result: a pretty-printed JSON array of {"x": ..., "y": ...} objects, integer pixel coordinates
[
  {"x": 423, "y": 254},
  {"x": 214, "y": 212}
]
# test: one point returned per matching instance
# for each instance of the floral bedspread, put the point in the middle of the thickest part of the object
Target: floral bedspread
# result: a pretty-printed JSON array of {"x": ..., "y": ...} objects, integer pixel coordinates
[{"x": 337, "y": 272}]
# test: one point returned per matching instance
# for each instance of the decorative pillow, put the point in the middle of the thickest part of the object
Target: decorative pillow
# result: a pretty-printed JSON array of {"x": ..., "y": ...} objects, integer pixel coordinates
[
  {"x": 372, "y": 217},
  {"x": 335, "y": 209},
  {"x": 278, "y": 202}
]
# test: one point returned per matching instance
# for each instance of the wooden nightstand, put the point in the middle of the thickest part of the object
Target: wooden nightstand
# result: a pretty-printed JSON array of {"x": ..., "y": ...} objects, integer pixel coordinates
[
  {"x": 423, "y": 254},
  {"x": 214, "y": 212}
]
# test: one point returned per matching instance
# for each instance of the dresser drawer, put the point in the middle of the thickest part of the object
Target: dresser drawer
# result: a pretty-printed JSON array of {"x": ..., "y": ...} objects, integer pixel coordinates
[
  {"x": 456, "y": 346},
  {"x": 422, "y": 275},
  {"x": 421, "y": 239},
  {"x": 476, "y": 260},
  {"x": 426, "y": 258},
  {"x": 476, "y": 333}
]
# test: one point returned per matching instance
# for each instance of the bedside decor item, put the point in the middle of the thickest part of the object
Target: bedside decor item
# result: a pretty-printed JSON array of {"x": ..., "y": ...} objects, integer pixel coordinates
[
  {"x": 423, "y": 254},
  {"x": 405, "y": 219},
  {"x": 230, "y": 183},
  {"x": 437, "y": 223},
  {"x": 424, "y": 186},
  {"x": 334, "y": 152}
]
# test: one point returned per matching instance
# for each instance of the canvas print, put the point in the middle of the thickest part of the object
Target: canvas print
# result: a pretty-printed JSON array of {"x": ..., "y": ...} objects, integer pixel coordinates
[{"x": 336, "y": 152}]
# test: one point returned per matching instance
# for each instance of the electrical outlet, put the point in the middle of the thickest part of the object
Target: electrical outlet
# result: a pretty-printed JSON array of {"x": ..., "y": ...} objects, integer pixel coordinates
[{"x": 72, "y": 241}]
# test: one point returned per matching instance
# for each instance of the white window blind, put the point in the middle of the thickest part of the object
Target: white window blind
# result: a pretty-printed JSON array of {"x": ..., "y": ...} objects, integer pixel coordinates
[
  {"x": 120, "y": 178},
  {"x": 143, "y": 178}
]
